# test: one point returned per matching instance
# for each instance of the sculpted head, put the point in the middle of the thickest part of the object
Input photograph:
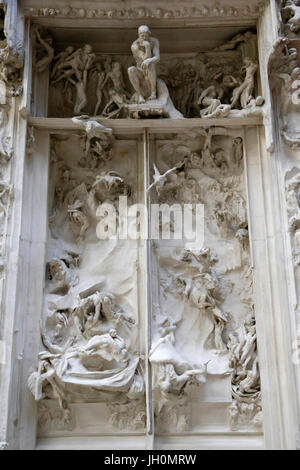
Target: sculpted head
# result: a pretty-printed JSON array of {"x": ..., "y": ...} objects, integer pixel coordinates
[
  {"x": 113, "y": 333},
  {"x": 248, "y": 61},
  {"x": 144, "y": 33},
  {"x": 87, "y": 48}
]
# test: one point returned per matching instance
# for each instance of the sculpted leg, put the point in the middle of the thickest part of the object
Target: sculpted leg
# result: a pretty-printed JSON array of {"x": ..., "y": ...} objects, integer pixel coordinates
[
  {"x": 81, "y": 99},
  {"x": 153, "y": 78},
  {"x": 246, "y": 95},
  {"x": 135, "y": 81}
]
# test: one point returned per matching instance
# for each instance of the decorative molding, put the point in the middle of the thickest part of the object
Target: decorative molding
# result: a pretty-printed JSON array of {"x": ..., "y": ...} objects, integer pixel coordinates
[
  {"x": 284, "y": 76},
  {"x": 11, "y": 63},
  {"x": 14, "y": 29},
  {"x": 143, "y": 12}
]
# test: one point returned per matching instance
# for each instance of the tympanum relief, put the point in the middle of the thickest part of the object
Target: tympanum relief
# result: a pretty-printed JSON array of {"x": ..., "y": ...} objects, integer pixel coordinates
[
  {"x": 214, "y": 84},
  {"x": 204, "y": 340},
  {"x": 91, "y": 348}
]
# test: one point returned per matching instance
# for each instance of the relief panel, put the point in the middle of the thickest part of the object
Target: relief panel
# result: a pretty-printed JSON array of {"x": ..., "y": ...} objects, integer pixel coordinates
[
  {"x": 204, "y": 353},
  {"x": 90, "y": 371}
]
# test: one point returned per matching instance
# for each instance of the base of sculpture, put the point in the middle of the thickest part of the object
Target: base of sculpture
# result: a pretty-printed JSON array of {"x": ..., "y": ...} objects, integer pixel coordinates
[
  {"x": 222, "y": 111},
  {"x": 147, "y": 110},
  {"x": 162, "y": 107}
]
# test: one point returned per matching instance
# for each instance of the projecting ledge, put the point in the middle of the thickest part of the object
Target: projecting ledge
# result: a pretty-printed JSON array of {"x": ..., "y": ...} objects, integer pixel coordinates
[{"x": 138, "y": 125}]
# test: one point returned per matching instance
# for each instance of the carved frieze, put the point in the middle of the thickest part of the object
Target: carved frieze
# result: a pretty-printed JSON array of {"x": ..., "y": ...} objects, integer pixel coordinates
[
  {"x": 145, "y": 12},
  {"x": 208, "y": 85}
]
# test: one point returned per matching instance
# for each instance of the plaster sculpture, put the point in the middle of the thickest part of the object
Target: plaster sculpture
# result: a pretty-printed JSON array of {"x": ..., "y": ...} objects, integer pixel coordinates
[
  {"x": 113, "y": 312},
  {"x": 152, "y": 94},
  {"x": 212, "y": 85},
  {"x": 91, "y": 353},
  {"x": 89, "y": 358},
  {"x": 291, "y": 15},
  {"x": 93, "y": 130},
  {"x": 283, "y": 66},
  {"x": 10, "y": 70},
  {"x": 194, "y": 283},
  {"x": 284, "y": 72},
  {"x": 6, "y": 150},
  {"x": 44, "y": 52},
  {"x": 10, "y": 85},
  {"x": 293, "y": 210},
  {"x": 246, "y": 406},
  {"x": 119, "y": 11},
  {"x": 211, "y": 98},
  {"x": 72, "y": 68},
  {"x": 30, "y": 142}
]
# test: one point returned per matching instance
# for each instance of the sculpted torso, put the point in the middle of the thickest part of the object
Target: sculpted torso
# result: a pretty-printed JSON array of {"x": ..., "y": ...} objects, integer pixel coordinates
[{"x": 146, "y": 53}]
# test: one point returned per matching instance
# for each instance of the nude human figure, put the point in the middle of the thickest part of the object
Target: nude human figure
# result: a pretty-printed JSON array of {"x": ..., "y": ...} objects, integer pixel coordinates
[
  {"x": 146, "y": 52},
  {"x": 81, "y": 98},
  {"x": 60, "y": 59},
  {"x": 43, "y": 63},
  {"x": 245, "y": 90},
  {"x": 101, "y": 81},
  {"x": 69, "y": 65},
  {"x": 209, "y": 99}
]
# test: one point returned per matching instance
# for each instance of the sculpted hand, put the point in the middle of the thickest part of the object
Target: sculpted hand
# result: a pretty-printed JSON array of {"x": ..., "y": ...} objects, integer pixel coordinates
[{"x": 146, "y": 63}]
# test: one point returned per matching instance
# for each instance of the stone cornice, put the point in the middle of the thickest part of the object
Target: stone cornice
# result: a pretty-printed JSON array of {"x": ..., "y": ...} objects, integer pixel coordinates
[{"x": 179, "y": 10}]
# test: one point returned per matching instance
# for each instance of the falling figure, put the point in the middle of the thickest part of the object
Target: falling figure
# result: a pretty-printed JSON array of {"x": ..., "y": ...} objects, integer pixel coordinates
[{"x": 160, "y": 179}]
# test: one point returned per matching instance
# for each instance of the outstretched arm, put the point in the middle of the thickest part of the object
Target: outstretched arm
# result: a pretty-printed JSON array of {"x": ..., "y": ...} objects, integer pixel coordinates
[
  {"x": 44, "y": 43},
  {"x": 205, "y": 93}
]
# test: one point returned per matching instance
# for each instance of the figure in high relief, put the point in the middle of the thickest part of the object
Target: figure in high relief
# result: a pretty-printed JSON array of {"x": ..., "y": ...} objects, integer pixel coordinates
[
  {"x": 243, "y": 94},
  {"x": 291, "y": 15},
  {"x": 10, "y": 69},
  {"x": 237, "y": 151},
  {"x": 44, "y": 52},
  {"x": 61, "y": 275},
  {"x": 151, "y": 93},
  {"x": 293, "y": 208},
  {"x": 246, "y": 405},
  {"x": 93, "y": 357},
  {"x": 101, "y": 79},
  {"x": 146, "y": 52},
  {"x": 211, "y": 99},
  {"x": 211, "y": 84},
  {"x": 59, "y": 61},
  {"x": 5, "y": 192},
  {"x": 92, "y": 128},
  {"x": 74, "y": 68},
  {"x": 78, "y": 217},
  {"x": 293, "y": 199},
  {"x": 6, "y": 148}
]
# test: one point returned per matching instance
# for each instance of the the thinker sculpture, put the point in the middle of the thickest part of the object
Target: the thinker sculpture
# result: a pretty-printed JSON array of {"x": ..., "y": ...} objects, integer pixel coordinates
[
  {"x": 146, "y": 52},
  {"x": 151, "y": 93}
]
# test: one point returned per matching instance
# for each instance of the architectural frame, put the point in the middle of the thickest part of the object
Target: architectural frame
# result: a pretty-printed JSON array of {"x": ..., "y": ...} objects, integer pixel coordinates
[{"x": 25, "y": 240}]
